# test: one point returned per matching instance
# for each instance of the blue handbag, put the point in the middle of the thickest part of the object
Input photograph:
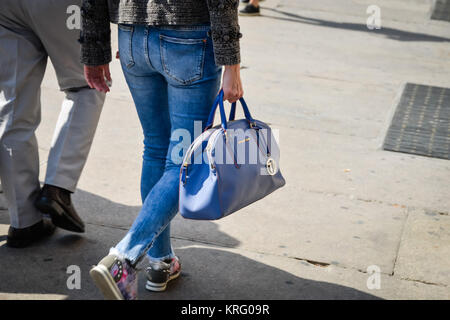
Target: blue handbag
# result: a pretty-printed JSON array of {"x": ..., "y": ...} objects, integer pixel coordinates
[{"x": 228, "y": 166}]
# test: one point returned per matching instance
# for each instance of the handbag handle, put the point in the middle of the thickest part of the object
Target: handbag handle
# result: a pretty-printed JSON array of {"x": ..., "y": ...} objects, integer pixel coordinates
[
  {"x": 244, "y": 107},
  {"x": 213, "y": 112},
  {"x": 219, "y": 102},
  {"x": 233, "y": 109},
  {"x": 232, "y": 112}
]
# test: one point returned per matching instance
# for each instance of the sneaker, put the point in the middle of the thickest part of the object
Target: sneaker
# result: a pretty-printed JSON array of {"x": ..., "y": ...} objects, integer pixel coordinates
[
  {"x": 116, "y": 278},
  {"x": 161, "y": 272},
  {"x": 249, "y": 10}
]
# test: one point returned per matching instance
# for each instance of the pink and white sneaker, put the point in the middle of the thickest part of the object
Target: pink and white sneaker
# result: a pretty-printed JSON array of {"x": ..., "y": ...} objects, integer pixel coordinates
[
  {"x": 159, "y": 273},
  {"x": 116, "y": 278}
]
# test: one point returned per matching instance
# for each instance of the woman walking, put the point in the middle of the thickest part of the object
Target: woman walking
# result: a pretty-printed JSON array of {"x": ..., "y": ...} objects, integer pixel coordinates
[{"x": 172, "y": 53}]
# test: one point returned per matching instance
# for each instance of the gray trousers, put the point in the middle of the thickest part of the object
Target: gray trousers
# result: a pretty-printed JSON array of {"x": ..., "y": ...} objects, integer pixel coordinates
[{"x": 30, "y": 32}]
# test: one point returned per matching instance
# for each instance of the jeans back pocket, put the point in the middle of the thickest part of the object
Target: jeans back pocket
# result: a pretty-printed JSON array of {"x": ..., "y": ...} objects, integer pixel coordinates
[{"x": 183, "y": 59}]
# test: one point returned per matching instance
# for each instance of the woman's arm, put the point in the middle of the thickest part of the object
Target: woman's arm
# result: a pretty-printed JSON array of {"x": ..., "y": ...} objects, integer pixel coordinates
[
  {"x": 232, "y": 84},
  {"x": 225, "y": 31},
  {"x": 95, "y": 39},
  {"x": 225, "y": 35}
]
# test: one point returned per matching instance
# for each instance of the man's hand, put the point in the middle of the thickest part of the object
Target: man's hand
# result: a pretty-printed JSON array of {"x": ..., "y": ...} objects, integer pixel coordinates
[
  {"x": 95, "y": 77},
  {"x": 232, "y": 85}
]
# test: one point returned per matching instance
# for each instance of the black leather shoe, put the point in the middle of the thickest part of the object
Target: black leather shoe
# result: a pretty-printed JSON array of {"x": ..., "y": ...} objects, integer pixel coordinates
[
  {"x": 56, "y": 202},
  {"x": 20, "y": 238},
  {"x": 250, "y": 10}
]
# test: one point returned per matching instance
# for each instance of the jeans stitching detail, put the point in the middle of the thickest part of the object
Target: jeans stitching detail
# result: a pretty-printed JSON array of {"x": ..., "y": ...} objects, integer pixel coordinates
[
  {"x": 147, "y": 56},
  {"x": 130, "y": 30}
]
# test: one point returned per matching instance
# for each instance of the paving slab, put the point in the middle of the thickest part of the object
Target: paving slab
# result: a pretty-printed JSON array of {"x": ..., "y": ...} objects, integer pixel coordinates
[
  {"x": 425, "y": 248},
  {"x": 259, "y": 276},
  {"x": 209, "y": 272},
  {"x": 40, "y": 271},
  {"x": 361, "y": 169},
  {"x": 327, "y": 228}
]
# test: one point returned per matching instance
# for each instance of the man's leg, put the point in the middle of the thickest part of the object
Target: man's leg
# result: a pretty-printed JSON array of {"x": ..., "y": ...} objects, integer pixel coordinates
[
  {"x": 82, "y": 106},
  {"x": 22, "y": 65},
  {"x": 73, "y": 136},
  {"x": 79, "y": 114}
]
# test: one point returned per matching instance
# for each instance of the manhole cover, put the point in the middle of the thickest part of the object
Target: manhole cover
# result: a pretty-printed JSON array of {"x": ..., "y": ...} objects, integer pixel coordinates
[
  {"x": 421, "y": 123},
  {"x": 441, "y": 10}
]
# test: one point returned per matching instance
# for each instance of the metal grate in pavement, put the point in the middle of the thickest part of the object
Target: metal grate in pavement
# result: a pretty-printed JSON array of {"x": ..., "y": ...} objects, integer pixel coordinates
[
  {"x": 421, "y": 123},
  {"x": 441, "y": 10}
]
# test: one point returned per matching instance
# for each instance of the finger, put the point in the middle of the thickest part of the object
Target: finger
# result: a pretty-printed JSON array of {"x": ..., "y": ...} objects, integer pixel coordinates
[
  {"x": 89, "y": 82},
  {"x": 241, "y": 91},
  {"x": 232, "y": 98},
  {"x": 100, "y": 85},
  {"x": 107, "y": 73},
  {"x": 97, "y": 86},
  {"x": 226, "y": 94}
]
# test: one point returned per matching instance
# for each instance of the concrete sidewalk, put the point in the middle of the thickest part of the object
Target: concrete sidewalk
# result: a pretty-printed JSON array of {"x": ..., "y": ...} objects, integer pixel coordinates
[{"x": 330, "y": 85}]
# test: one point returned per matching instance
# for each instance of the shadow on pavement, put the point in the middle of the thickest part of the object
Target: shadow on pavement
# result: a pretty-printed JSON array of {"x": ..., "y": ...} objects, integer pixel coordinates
[
  {"x": 209, "y": 272},
  {"x": 388, "y": 32}
]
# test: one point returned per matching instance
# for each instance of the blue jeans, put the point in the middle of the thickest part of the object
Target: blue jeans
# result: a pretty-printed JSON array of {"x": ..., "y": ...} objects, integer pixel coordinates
[{"x": 174, "y": 80}]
